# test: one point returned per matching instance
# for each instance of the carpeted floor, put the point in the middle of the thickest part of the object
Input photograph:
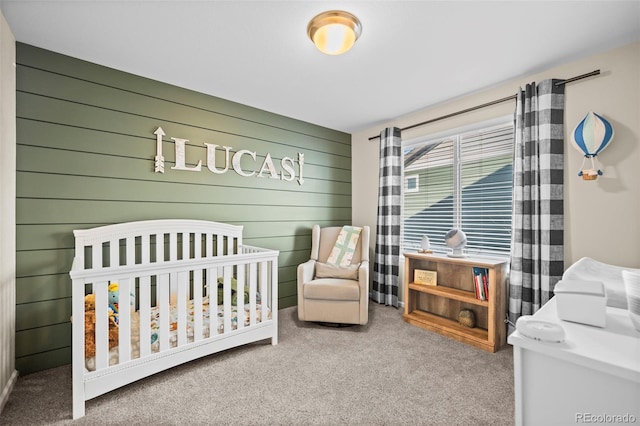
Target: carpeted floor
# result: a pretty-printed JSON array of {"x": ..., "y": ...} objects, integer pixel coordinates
[{"x": 385, "y": 373}]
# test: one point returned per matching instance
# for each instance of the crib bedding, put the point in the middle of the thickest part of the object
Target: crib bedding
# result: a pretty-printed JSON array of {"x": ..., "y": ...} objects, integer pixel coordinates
[{"x": 173, "y": 327}]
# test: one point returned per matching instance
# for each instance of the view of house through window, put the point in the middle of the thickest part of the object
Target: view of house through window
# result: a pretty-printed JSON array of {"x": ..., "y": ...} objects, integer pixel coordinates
[{"x": 463, "y": 181}]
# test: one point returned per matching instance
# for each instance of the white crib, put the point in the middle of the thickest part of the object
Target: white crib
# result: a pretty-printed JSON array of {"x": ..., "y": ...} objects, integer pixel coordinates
[{"x": 176, "y": 272}]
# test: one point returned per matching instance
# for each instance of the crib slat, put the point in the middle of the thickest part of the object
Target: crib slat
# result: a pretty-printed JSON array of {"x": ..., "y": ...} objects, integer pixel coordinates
[
  {"x": 144, "y": 313},
  {"x": 229, "y": 245},
  {"x": 263, "y": 290},
  {"x": 220, "y": 245},
  {"x": 173, "y": 246},
  {"x": 240, "y": 292},
  {"x": 145, "y": 247},
  {"x": 226, "y": 279},
  {"x": 183, "y": 283},
  {"x": 124, "y": 319},
  {"x": 102, "y": 324},
  {"x": 197, "y": 305},
  {"x": 253, "y": 272},
  {"x": 131, "y": 251},
  {"x": 114, "y": 252},
  {"x": 185, "y": 245},
  {"x": 159, "y": 248},
  {"x": 96, "y": 256},
  {"x": 162, "y": 290},
  {"x": 208, "y": 249},
  {"x": 197, "y": 245},
  {"x": 212, "y": 292}
]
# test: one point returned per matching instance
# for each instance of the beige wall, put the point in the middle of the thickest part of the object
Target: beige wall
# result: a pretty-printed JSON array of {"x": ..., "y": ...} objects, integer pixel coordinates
[
  {"x": 8, "y": 373},
  {"x": 603, "y": 217}
]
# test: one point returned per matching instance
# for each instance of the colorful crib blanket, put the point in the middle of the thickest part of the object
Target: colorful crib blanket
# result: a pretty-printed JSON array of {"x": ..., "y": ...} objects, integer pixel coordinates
[
  {"x": 345, "y": 246},
  {"x": 206, "y": 319},
  {"x": 218, "y": 322}
]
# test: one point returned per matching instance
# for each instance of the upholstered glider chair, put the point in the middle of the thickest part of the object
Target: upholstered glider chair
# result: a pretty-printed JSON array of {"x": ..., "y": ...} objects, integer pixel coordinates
[{"x": 334, "y": 294}]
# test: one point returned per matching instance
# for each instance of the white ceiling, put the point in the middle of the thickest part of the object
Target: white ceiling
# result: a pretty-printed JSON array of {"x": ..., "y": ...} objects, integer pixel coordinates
[{"x": 412, "y": 54}]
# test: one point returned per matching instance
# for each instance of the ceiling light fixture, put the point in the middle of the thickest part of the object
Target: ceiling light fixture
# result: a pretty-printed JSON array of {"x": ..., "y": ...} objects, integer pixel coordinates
[{"x": 334, "y": 32}]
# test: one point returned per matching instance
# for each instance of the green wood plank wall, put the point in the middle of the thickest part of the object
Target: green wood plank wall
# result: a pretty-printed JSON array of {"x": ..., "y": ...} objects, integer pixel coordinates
[{"x": 85, "y": 158}]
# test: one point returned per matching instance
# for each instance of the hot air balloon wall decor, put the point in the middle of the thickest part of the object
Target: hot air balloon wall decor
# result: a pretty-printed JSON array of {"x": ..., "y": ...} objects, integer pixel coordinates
[{"x": 592, "y": 135}]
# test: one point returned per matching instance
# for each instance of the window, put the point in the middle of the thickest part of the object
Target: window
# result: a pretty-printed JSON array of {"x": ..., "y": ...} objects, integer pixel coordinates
[
  {"x": 466, "y": 182},
  {"x": 411, "y": 183}
]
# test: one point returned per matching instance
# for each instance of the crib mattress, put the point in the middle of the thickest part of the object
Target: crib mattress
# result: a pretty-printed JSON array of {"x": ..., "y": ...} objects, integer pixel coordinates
[{"x": 173, "y": 327}]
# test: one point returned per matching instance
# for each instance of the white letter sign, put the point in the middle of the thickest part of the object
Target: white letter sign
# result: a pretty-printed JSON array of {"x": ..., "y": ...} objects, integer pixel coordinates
[
  {"x": 211, "y": 158},
  {"x": 268, "y": 164},
  {"x": 236, "y": 162},
  {"x": 268, "y": 168},
  {"x": 180, "y": 156}
]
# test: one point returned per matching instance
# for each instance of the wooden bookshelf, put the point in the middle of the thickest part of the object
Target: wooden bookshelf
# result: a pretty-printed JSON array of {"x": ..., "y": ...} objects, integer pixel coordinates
[{"x": 436, "y": 308}]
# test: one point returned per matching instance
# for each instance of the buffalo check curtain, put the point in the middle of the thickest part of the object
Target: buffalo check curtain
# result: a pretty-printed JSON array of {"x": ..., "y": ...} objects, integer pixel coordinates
[
  {"x": 537, "y": 246},
  {"x": 386, "y": 264}
]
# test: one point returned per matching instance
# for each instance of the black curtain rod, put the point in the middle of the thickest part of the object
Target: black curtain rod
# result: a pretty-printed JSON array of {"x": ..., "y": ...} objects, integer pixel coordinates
[{"x": 497, "y": 101}]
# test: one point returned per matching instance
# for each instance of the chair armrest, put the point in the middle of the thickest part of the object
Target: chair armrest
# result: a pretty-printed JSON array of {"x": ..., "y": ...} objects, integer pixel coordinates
[
  {"x": 363, "y": 276},
  {"x": 306, "y": 272},
  {"x": 363, "y": 283}
]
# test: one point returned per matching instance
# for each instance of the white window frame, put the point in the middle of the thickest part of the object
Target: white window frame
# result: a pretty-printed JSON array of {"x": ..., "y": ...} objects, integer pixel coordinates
[
  {"x": 453, "y": 134},
  {"x": 406, "y": 183}
]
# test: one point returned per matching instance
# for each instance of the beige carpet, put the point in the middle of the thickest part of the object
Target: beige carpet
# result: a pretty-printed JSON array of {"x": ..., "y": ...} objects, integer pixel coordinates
[{"x": 385, "y": 373}]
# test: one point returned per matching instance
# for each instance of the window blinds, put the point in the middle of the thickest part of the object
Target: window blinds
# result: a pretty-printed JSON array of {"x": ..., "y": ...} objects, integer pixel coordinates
[{"x": 465, "y": 181}]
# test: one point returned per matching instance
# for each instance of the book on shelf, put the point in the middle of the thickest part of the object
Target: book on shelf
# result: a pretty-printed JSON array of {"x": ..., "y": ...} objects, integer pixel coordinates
[{"x": 481, "y": 282}]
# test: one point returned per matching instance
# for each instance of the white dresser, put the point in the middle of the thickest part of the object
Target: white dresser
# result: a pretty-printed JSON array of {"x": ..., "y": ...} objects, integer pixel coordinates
[{"x": 593, "y": 377}]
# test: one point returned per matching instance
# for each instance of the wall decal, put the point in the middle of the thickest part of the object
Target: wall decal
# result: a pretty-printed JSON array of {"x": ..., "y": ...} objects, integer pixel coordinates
[{"x": 266, "y": 170}]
